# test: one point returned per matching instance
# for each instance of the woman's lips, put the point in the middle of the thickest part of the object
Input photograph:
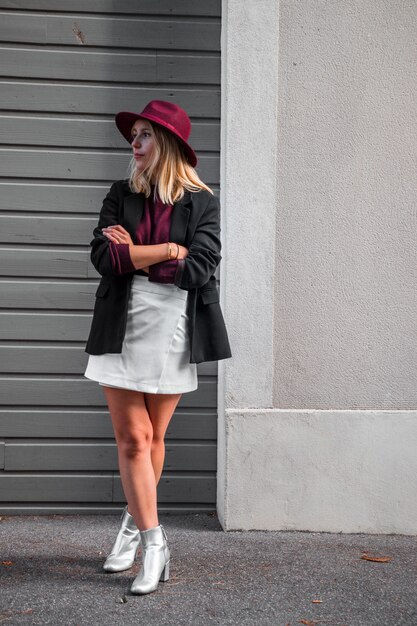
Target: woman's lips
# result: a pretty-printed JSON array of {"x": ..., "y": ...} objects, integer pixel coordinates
[{"x": 138, "y": 156}]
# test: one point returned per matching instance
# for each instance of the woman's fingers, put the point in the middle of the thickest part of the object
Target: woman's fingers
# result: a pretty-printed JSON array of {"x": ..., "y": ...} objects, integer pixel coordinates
[
  {"x": 111, "y": 237},
  {"x": 118, "y": 227},
  {"x": 118, "y": 234}
]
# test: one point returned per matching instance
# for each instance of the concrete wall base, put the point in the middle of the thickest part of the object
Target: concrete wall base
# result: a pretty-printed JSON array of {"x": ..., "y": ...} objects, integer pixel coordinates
[{"x": 331, "y": 471}]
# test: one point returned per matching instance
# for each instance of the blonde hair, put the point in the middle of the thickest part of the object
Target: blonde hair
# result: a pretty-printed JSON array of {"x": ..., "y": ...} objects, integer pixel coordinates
[{"x": 170, "y": 168}]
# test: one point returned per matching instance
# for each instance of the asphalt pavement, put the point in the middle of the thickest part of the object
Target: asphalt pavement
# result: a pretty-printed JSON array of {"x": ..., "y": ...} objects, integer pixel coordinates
[{"x": 51, "y": 573}]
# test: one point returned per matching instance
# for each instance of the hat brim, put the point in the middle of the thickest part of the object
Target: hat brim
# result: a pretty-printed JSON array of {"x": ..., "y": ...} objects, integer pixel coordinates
[{"x": 125, "y": 120}]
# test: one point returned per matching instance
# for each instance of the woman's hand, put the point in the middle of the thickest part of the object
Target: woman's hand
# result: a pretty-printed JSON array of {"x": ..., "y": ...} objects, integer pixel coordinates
[{"x": 117, "y": 234}]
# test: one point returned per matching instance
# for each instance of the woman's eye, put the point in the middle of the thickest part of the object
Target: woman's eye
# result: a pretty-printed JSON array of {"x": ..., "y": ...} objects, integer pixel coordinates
[{"x": 144, "y": 134}]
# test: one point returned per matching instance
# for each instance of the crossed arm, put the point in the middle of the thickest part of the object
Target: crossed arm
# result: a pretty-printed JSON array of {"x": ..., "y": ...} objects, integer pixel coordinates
[
  {"x": 128, "y": 257},
  {"x": 109, "y": 230},
  {"x": 195, "y": 265},
  {"x": 140, "y": 256}
]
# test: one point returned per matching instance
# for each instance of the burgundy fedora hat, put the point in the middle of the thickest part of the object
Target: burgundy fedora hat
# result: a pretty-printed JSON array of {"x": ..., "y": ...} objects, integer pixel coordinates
[{"x": 166, "y": 114}]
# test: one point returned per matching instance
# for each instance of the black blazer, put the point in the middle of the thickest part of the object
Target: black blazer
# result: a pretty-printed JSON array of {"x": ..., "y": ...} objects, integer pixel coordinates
[{"x": 195, "y": 224}]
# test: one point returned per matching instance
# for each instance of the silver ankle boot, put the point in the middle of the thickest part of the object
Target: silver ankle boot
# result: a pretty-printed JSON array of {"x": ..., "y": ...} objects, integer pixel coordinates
[
  {"x": 155, "y": 560},
  {"x": 123, "y": 552}
]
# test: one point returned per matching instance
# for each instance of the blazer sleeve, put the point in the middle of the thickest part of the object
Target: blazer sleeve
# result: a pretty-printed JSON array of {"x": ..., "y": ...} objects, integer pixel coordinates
[
  {"x": 120, "y": 258},
  {"x": 101, "y": 254},
  {"x": 204, "y": 252},
  {"x": 163, "y": 272}
]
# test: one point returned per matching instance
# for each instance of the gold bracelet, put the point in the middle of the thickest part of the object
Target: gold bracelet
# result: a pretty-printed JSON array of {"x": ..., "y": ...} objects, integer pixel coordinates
[
  {"x": 169, "y": 251},
  {"x": 178, "y": 251}
]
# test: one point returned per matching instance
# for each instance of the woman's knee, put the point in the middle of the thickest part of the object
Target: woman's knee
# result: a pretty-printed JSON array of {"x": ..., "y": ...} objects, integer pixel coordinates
[{"x": 137, "y": 442}]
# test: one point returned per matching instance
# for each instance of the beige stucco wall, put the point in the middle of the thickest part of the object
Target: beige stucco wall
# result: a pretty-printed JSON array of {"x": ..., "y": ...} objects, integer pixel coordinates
[
  {"x": 318, "y": 406},
  {"x": 346, "y": 231}
]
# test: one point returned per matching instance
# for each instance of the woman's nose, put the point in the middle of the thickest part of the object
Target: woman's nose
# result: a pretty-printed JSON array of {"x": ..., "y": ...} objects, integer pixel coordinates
[{"x": 135, "y": 141}]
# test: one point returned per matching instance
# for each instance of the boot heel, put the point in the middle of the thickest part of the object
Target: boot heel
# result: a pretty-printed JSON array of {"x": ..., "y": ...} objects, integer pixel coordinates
[
  {"x": 165, "y": 573},
  {"x": 155, "y": 552}
]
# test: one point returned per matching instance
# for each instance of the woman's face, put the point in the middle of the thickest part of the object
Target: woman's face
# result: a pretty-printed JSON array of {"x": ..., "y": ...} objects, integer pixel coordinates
[{"x": 143, "y": 143}]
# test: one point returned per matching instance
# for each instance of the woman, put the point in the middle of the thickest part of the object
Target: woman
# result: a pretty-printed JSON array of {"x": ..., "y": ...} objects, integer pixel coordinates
[{"x": 156, "y": 315}]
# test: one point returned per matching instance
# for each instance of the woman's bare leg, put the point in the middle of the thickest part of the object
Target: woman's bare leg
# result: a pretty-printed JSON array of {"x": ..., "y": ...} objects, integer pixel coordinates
[
  {"x": 134, "y": 433},
  {"x": 160, "y": 409}
]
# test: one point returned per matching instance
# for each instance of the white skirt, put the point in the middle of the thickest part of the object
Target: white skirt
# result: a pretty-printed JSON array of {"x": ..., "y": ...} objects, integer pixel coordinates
[{"x": 155, "y": 355}]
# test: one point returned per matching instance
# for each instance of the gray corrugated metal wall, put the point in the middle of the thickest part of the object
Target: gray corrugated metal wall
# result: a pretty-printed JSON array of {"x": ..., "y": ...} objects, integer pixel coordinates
[{"x": 66, "y": 68}]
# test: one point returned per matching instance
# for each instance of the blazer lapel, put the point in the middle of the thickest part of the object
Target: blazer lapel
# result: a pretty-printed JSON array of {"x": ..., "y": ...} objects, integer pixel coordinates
[
  {"x": 179, "y": 219},
  {"x": 132, "y": 212}
]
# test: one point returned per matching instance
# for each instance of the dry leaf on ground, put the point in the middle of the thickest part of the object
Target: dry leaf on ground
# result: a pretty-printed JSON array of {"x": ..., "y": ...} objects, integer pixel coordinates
[{"x": 377, "y": 559}]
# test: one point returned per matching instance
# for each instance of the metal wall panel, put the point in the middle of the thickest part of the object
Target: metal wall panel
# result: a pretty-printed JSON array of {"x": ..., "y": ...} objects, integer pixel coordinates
[
  {"x": 67, "y": 67},
  {"x": 133, "y": 7},
  {"x": 86, "y": 133},
  {"x": 81, "y": 165},
  {"x": 93, "y": 423},
  {"x": 123, "y": 32},
  {"x": 76, "y": 391}
]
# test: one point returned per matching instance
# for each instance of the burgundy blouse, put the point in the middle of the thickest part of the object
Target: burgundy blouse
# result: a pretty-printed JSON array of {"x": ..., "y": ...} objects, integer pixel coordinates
[{"x": 153, "y": 228}]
